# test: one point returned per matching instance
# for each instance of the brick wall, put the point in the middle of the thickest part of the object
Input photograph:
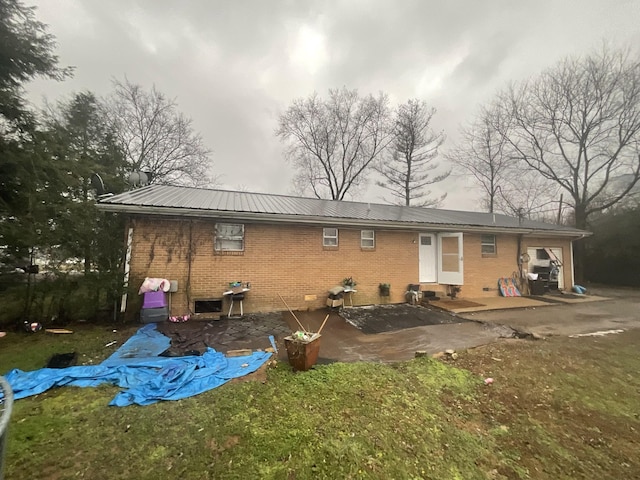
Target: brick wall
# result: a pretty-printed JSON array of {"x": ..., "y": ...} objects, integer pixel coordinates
[
  {"x": 481, "y": 272},
  {"x": 291, "y": 260},
  {"x": 286, "y": 260}
]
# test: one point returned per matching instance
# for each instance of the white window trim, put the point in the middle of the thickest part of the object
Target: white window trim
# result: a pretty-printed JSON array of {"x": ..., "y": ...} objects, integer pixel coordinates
[
  {"x": 326, "y": 237},
  {"x": 219, "y": 248},
  {"x": 363, "y": 238},
  {"x": 493, "y": 244}
]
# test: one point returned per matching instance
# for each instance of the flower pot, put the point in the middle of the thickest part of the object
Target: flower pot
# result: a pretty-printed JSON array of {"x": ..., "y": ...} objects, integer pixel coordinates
[{"x": 302, "y": 354}]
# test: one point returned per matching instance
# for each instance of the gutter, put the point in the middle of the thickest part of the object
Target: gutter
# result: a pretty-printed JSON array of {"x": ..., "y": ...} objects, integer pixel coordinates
[{"x": 324, "y": 221}]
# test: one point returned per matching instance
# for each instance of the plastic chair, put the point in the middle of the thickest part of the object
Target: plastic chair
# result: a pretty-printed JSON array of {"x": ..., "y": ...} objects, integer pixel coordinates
[{"x": 413, "y": 293}]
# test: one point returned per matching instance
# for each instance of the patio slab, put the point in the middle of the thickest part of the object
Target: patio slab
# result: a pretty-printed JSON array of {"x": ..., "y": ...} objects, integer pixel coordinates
[
  {"x": 487, "y": 304},
  {"x": 579, "y": 316},
  {"x": 575, "y": 299}
]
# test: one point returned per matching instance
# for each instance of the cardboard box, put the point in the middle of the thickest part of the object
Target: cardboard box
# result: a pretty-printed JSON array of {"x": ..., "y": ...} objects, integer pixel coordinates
[{"x": 334, "y": 303}]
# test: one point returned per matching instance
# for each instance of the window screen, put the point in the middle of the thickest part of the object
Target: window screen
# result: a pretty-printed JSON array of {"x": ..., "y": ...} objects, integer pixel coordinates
[
  {"x": 330, "y": 237},
  {"x": 229, "y": 237},
  {"x": 489, "y": 244},
  {"x": 367, "y": 238}
]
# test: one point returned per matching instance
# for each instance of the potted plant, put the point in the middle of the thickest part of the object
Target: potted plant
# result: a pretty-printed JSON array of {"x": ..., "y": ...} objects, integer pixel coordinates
[
  {"x": 349, "y": 282},
  {"x": 384, "y": 289}
]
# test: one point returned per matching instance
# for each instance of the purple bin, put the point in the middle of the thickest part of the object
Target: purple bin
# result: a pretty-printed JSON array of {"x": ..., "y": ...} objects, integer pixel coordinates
[{"x": 154, "y": 300}]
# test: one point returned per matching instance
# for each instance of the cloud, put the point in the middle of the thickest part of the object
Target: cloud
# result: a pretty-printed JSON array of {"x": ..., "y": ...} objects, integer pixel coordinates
[{"x": 233, "y": 66}]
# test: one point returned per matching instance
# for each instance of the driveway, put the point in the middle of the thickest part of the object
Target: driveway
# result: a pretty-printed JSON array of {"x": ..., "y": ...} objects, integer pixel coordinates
[
  {"x": 620, "y": 311},
  {"x": 407, "y": 329},
  {"x": 341, "y": 341}
]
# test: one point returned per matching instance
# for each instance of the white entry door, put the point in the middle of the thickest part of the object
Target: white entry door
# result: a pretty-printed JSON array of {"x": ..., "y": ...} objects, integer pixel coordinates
[
  {"x": 428, "y": 258},
  {"x": 450, "y": 260}
]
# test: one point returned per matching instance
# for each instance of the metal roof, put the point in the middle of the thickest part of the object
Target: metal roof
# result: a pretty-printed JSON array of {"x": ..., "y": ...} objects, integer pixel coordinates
[{"x": 200, "y": 202}]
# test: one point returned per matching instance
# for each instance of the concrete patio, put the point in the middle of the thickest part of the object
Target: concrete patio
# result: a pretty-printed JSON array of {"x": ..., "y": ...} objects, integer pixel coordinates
[{"x": 485, "y": 304}]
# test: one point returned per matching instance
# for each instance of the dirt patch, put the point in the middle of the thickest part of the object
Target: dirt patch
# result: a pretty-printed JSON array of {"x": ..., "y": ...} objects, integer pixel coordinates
[
  {"x": 389, "y": 318},
  {"x": 251, "y": 331},
  {"x": 259, "y": 375},
  {"x": 217, "y": 448}
]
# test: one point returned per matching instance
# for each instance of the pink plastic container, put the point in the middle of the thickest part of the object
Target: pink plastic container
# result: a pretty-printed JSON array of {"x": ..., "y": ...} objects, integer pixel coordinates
[{"x": 154, "y": 300}]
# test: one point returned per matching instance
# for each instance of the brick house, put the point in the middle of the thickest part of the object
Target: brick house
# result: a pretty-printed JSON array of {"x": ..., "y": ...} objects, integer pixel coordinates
[{"x": 301, "y": 247}]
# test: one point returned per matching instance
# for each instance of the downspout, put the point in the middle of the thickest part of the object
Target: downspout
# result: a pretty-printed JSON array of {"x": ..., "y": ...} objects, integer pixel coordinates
[
  {"x": 189, "y": 262},
  {"x": 127, "y": 266},
  {"x": 523, "y": 284}
]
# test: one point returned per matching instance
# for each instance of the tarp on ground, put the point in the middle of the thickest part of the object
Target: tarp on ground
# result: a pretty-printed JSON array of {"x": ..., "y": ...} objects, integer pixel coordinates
[
  {"x": 145, "y": 345},
  {"x": 145, "y": 377}
]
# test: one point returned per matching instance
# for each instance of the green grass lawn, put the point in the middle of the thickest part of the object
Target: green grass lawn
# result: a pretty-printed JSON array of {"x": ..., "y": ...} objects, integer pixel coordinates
[{"x": 560, "y": 408}]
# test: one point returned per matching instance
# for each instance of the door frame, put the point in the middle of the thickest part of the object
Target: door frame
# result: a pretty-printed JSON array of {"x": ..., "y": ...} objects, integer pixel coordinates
[{"x": 451, "y": 278}]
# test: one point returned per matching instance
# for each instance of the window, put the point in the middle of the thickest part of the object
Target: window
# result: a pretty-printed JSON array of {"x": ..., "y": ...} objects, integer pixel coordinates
[
  {"x": 229, "y": 237},
  {"x": 541, "y": 254},
  {"x": 489, "y": 244},
  {"x": 329, "y": 237},
  {"x": 367, "y": 238}
]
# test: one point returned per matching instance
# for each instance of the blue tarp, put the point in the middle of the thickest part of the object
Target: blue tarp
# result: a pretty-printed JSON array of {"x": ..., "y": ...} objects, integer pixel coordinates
[
  {"x": 145, "y": 345},
  {"x": 146, "y": 377}
]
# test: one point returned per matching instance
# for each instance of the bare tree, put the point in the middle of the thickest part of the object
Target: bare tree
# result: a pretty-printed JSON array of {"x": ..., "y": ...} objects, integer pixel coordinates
[
  {"x": 484, "y": 152},
  {"x": 526, "y": 194},
  {"x": 578, "y": 125},
  {"x": 481, "y": 151},
  {"x": 156, "y": 137},
  {"x": 332, "y": 142},
  {"x": 409, "y": 165}
]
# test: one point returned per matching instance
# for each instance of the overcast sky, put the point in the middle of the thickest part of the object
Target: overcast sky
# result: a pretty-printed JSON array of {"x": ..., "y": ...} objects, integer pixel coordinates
[{"x": 232, "y": 66}]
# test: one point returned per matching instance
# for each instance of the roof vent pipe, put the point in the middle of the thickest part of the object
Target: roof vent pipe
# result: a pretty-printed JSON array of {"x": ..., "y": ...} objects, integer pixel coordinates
[{"x": 494, "y": 218}]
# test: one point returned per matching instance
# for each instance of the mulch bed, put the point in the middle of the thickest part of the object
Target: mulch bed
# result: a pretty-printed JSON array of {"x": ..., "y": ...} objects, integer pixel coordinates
[
  {"x": 251, "y": 331},
  {"x": 389, "y": 318}
]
